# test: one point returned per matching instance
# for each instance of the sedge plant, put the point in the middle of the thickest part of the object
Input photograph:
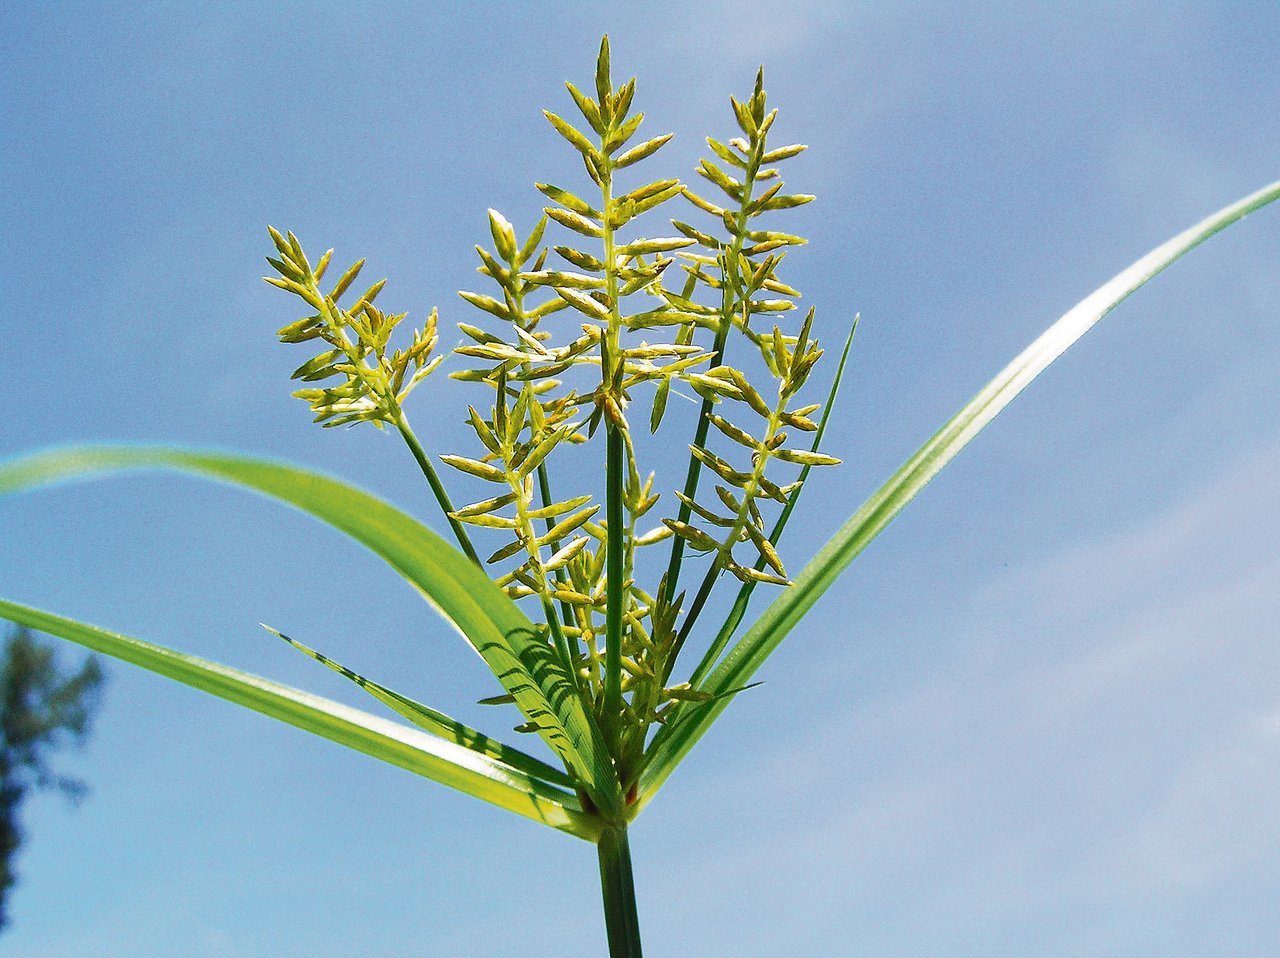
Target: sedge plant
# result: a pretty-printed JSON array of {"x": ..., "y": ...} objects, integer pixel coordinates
[{"x": 589, "y": 604}]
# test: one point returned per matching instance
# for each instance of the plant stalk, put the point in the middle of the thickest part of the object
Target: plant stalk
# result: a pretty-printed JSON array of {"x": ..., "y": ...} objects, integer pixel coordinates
[
  {"x": 437, "y": 488},
  {"x": 744, "y": 592},
  {"x": 610, "y": 386},
  {"x": 618, "y": 887},
  {"x": 544, "y": 489},
  {"x": 613, "y": 582},
  {"x": 730, "y": 302}
]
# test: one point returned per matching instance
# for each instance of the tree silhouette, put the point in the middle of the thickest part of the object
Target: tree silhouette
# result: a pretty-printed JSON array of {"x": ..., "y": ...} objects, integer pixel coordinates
[{"x": 41, "y": 709}]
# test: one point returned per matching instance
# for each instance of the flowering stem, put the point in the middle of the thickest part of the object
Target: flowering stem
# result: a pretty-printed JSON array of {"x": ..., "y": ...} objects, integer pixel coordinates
[
  {"x": 616, "y": 549},
  {"x": 437, "y": 487},
  {"x": 729, "y": 305},
  {"x": 614, "y": 560},
  {"x": 722, "y": 557}
]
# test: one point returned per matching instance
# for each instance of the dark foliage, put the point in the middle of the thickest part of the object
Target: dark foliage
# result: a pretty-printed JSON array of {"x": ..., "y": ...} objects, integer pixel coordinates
[{"x": 42, "y": 709}]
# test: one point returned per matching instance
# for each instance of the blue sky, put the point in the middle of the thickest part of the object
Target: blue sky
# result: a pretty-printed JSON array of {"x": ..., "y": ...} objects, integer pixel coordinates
[{"x": 1039, "y": 716}]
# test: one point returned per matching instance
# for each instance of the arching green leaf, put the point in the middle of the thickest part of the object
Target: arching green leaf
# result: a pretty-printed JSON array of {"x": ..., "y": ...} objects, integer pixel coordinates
[
  {"x": 441, "y": 761},
  {"x": 503, "y": 635},
  {"x": 436, "y": 722},
  {"x": 877, "y": 512}
]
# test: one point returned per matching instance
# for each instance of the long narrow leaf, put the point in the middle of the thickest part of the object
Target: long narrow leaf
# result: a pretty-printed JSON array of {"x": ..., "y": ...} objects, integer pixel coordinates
[
  {"x": 461, "y": 768},
  {"x": 435, "y": 722},
  {"x": 502, "y": 634},
  {"x": 878, "y": 511}
]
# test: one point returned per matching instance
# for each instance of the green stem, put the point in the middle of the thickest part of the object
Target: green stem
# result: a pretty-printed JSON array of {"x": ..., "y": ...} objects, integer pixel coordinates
[
  {"x": 525, "y": 531},
  {"x": 614, "y": 560},
  {"x": 672, "y": 578},
  {"x": 544, "y": 489},
  {"x": 744, "y": 593},
  {"x": 618, "y": 887},
  {"x": 610, "y": 386},
  {"x": 695, "y": 609},
  {"x": 437, "y": 487},
  {"x": 527, "y": 323},
  {"x": 761, "y": 457}
]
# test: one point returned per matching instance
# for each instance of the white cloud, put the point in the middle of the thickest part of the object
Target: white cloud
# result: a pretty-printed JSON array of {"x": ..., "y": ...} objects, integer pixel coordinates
[{"x": 749, "y": 33}]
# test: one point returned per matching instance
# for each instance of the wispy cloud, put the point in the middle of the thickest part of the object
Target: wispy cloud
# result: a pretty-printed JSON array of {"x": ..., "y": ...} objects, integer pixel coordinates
[
  {"x": 749, "y": 33},
  {"x": 1110, "y": 731}
]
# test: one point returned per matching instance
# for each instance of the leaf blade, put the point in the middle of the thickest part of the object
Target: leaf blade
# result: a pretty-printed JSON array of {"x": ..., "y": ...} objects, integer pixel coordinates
[
  {"x": 436, "y": 722},
  {"x": 490, "y": 622},
  {"x": 445, "y": 762}
]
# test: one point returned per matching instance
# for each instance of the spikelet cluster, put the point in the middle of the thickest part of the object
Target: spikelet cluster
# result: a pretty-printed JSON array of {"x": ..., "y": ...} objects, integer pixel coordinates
[
  {"x": 599, "y": 272},
  {"x": 739, "y": 267},
  {"x": 730, "y": 284},
  {"x": 570, "y": 334},
  {"x": 357, "y": 336}
]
